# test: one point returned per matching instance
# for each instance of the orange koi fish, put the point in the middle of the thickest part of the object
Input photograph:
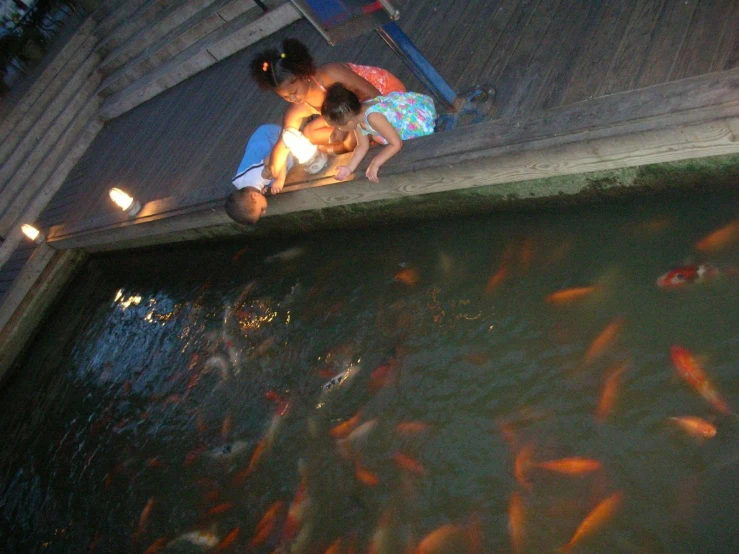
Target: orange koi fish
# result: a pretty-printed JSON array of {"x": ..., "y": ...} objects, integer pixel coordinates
[
  {"x": 696, "y": 426},
  {"x": 689, "y": 369},
  {"x": 335, "y": 547},
  {"x": 595, "y": 519},
  {"x": 383, "y": 375},
  {"x": 411, "y": 427},
  {"x": 452, "y": 539},
  {"x": 154, "y": 463},
  {"x": 571, "y": 466},
  {"x": 610, "y": 392},
  {"x": 221, "y": 508},
  {"x": 408, "y": 276},
  {"x": 144, "y": 518},
  {"x": 569, "y": 295},
  {"x": 515, "y": 522},
  {"x": 343, "y": 429},
  {"x": 228, "y": 540},
  {"x": 157, "y": 546},
  {"x": 604, "y": 340},
  {"x": 272, "y": 396},
  {"x": 266, "y": 524},
  {"x": 296, "y": 512},
  {"x": 228, "y": 423},
  {"x": 522, "y": 465},
  {"x": 193, "y": 455},
  {"x": 364, "y": 476},
  {"x": 719, "y": 238},
  {"x": 409, "y": 464},
  {"x": 497, "y": 278}
]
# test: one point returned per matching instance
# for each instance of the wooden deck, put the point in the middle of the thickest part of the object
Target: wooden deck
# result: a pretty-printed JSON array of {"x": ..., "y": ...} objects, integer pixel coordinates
[{"x": 539, "y": 54}]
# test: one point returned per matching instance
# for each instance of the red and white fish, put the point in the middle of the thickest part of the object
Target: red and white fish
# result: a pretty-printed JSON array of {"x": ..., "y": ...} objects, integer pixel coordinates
[{"x": 687, "y": 275}]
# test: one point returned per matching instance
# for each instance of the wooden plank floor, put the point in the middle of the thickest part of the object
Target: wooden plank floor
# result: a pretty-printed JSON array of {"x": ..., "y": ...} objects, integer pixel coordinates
[{"x": 540, "y": 54}]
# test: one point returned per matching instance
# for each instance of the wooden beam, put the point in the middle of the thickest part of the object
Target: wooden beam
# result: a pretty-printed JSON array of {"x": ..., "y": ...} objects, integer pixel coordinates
[{"x": 676, "y": 121}]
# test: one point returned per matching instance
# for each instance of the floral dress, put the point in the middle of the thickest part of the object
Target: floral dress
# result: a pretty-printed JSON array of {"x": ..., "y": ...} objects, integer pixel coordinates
[{"x": 411, "y": 114}]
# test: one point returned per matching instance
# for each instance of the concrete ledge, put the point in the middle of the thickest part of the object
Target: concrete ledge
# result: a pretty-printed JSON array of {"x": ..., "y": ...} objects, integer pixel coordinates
[
  {"x": 31, "y": 298},
  {"x": 229, "y": 39}
]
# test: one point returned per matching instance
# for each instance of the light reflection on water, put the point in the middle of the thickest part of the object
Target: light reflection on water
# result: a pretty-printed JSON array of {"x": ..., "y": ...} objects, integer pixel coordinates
[{"x": 161, "y": 373}]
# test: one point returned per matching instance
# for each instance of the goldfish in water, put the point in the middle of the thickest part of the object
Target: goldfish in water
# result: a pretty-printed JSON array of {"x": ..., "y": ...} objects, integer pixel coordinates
[
  {"x": 604, "y": 340},
  {"x": 383, "y": 375},
  {"x": 516, "y": 522},
  {"x": 203, "y": 539},
  {"x": 411, "y": 427},
  {"x": 695, "y": 426},
  {"x": 221, "y": 508},
  {"x": 408, "y": 276},
  {"x": 570, "y": 466},
  {"x": 720, "y": 238},
  {"x": 343, "y": 429},
  {"x": 595, "y": 519},
  {"x": 144, "y": 518},
  {"x": 266, "y": 524},
  {"x": 689, "y": 369},
  {"x": 364, "y": 476},
  {"x": 497, "y": 278},
  {"x": 227, "y": 427},
  {"x": 569, "y": 295},
  {"x": 690, "y": 274},
  {"x": 452, "y": 539},
  {"x": 610, "y": 392},
  {"x": 157, "y": 546},
  {"x": 522, "y": 464},
  {"x": 228, "y": 540},
  {"x": 409, "y": 464}
]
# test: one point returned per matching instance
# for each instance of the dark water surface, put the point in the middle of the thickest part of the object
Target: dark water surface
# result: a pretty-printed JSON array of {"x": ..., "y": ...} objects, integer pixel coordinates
[{"x": 136, "y": 416}]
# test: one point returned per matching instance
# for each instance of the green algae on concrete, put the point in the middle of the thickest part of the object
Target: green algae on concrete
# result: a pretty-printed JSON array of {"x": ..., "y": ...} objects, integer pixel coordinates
[{"x": 600, "y": 186}]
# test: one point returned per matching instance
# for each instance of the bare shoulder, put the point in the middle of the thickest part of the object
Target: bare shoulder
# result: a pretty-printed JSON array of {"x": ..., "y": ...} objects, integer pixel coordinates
[{"x": 334, "y": 72}]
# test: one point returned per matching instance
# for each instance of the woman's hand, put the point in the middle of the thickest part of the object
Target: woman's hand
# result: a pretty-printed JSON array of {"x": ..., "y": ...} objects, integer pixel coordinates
[{"x": 343, "y": 172}]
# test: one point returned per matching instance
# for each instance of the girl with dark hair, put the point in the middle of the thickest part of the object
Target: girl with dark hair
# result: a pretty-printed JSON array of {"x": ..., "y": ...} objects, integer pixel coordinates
[
  {"x": 293, "y": 75},
  {"x": 389, "y": 120}
]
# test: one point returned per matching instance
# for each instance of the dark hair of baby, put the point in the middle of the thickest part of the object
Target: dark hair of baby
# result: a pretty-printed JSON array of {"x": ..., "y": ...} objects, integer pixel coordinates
[
  {"x": 241, "y": 206},
  {"x": 340, "y": 104},
  {"x": 271, "y": 68}
]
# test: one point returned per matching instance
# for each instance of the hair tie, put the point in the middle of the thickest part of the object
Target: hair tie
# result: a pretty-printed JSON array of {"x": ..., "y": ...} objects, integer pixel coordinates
[
  {"x": 265, "y": 66},
  {"x": 282, "y": 55}
]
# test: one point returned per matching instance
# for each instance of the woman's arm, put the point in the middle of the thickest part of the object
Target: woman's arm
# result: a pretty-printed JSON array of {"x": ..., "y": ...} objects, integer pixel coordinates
[
  {"x": 294, "y": 117},
  {"x": 359, "y": 153},
  {"x": 394, "y": 143},
  {"x": 339, "y": 73}
]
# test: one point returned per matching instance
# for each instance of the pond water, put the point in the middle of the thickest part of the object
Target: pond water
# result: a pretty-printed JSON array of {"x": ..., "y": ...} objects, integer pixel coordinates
[{"x": 176, "y": 400}]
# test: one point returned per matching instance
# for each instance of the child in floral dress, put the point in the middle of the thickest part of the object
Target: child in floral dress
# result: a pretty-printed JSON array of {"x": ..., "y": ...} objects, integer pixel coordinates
[{"x": 389, "y": 120}]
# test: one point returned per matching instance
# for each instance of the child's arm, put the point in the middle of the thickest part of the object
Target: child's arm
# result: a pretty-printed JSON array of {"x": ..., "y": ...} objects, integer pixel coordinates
[
  {"x": 294, "y": 117},
  {"x": 359, "y": 153},
  {"x": 394, "y": 143}
]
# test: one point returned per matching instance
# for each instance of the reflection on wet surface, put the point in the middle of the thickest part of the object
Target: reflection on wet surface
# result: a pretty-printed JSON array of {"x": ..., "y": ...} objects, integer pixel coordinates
[{"x": 509, "y": 383}]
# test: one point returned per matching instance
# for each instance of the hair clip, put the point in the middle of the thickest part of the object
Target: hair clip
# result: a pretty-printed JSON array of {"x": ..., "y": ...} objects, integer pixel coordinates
[
  {"x": 265, "y": 66},
  {"x": 282, "y": 55}
]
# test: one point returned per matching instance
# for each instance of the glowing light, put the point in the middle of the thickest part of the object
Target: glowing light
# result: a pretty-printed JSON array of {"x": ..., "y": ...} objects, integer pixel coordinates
[
  {"x": 307, "y": 153},
  {"x": 32, "y": 233},
  {"x": 125, "y": 201}
]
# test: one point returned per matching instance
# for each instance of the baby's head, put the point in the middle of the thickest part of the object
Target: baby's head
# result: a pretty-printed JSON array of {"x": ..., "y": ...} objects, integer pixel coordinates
[
  {"x": 246, "y": 205},
  {"x": 341, "y": 108}
]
